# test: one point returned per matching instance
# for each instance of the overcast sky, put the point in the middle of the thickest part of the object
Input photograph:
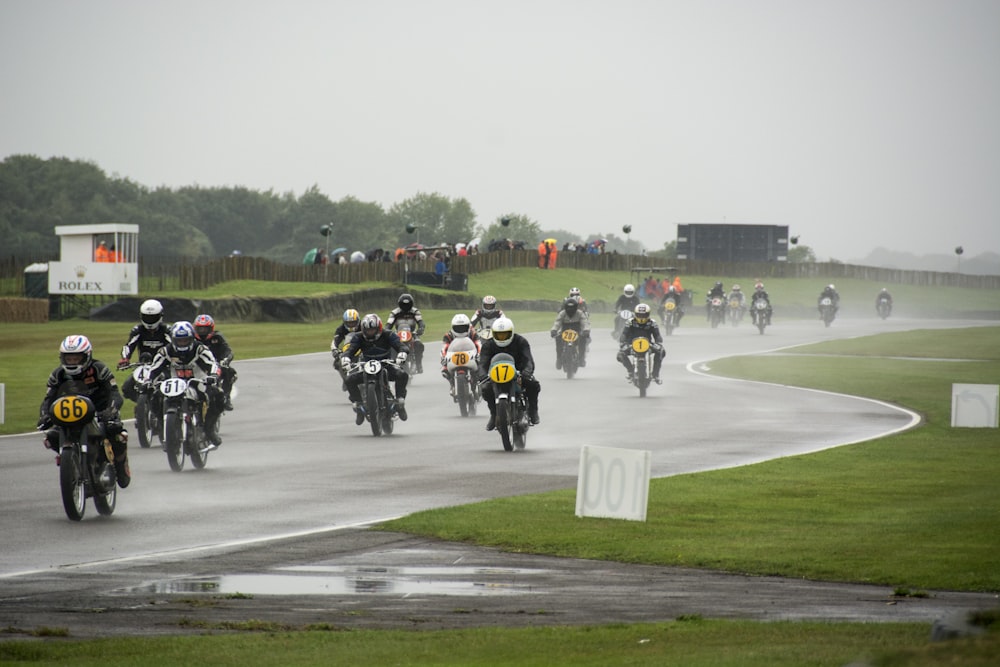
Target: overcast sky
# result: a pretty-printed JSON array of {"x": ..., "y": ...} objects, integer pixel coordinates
[{"x": 857, "y": 123}]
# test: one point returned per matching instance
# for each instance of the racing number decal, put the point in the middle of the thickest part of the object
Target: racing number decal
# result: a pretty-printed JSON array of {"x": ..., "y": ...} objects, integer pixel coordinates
[
  {"x": 70, "y": 409},
  {"x": 569, "y": 335},
  {"x": 502, "y": 372},
  {"x": 640, "y": 345},
  {"x": 460, "y": 358}
]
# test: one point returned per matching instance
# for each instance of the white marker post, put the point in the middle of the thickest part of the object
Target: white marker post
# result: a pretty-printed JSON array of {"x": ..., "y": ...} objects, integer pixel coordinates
[
  {"x": 975, "y": 405},
  {"x": 613, "y": 483}
]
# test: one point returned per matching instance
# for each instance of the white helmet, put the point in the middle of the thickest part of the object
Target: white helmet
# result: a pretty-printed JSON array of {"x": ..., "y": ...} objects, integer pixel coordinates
[
  {"x": 151, "y": 313},
  {"x": 75, "y": 354},
  {"x": 629, "y": 290},
  {"x": 460, "y": 325},
  {"x": 503, "y": 331}
]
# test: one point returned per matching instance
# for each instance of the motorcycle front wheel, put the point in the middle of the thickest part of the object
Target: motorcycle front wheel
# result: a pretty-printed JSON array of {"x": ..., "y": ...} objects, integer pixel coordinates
[
  {"x": 372, "y": 409},
  {"x": 74, "y": 494},
  {"x": 641, "y": 378},
  {"x": 465, "y": 399},
  {"x": 143, "y": 421},
  {"x": 503, "y": 423},
  {"x": 175, "y": 441}
]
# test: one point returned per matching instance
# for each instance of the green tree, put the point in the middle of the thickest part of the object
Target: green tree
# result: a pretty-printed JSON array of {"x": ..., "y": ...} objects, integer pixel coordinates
[
  {"x": 801, "y": 254},
  {"x": 436, "y": 218},
  {"x": 518, "y": 228}
]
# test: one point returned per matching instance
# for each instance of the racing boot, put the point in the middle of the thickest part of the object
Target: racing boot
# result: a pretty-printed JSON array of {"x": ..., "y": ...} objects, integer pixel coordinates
[
  {"x": 359, "y": 417},
  {"x": 491, "y": 423},
  {"x": 119, "y": 445},
  {"x": 401, "y": 408},
  {"x": 533, "y": 415}
]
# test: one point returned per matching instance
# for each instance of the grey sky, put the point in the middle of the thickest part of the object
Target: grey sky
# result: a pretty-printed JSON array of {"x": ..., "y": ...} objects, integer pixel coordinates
[{"x": 858, "y": 123}]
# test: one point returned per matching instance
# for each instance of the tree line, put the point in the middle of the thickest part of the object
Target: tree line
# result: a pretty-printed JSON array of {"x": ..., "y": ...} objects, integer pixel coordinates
[{"x": 36, "y": 195}]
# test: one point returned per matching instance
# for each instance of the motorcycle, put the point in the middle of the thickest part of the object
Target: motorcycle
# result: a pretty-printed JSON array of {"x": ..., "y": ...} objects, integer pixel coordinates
[
  {"x": 462, "y": 364},
  {"x": 147, "y": 413},
  {"x": 671, "y": 316},
  {"x": 716, "y": 311},
  {"x": 760, "y": 314},
  {"x": 622, "y": 318},
  {"x": 86, "y": 460},
  {"x": 640, "y": 352},
  {"x": 376, "y": 398},
  {"x": 884, "y": 307},
  {"x": 572, "y": 349},
  {"x": 735, "y": 312},
  {"x": 409, "y": 341},
  {"x": 511, "y": 402},
  {"x": 826, "y": 310},
  {"x": 185, "y": 405}
]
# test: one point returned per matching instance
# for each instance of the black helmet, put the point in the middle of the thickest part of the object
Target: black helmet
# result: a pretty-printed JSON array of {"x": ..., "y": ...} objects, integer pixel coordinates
[
  {"x": 405, "y": 302},
  {"x": 570, "y": 305}
]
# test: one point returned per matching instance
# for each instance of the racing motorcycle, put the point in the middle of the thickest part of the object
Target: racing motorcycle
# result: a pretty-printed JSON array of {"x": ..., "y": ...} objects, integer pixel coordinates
[
  {"x": 760, "y": 314},
  {"x": 148, "y": 420},
  {"x": 376, "y": 398},
  {"x": 622, "y": 317},
  {"x": 572, "y": 349},
  {"x": 511, "y": 402},
  {"x": 716, "y": 311},
  {"x": 462, "y": 363},
  {"x": 86, "y": 460},
  {"x": 735, "y": 312},
  {"x": 671, "y": 316},
  {"x": 826, "y": 310},
  {"x": 409, "y": 340},
  {"x": 884, "y": 307},
  {"x": 185, "y": 405},
  {"x": 640, "y": 353}
]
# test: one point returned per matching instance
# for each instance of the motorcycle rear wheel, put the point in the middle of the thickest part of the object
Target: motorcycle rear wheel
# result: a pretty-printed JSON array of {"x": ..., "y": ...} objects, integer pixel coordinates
[
  {"x": 175, "y": 441},
  {"x": 143, "y": 421},
  {"x": 503, "y": 423}
]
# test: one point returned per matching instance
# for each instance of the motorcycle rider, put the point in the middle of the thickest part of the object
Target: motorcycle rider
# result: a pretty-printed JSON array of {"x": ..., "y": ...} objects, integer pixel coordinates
[
  {"x": 736, "y": 294},
  {"x": 487, "y": 315},
  {"x": 505, "y": 340},
  {"x": 350, "y": 326},
  {"x": 461, "y": 327},
  {"x": 627, "y": 300},
  {"x": 642, "y": 325},
  {"x": 759, "y": 293},
  {"x": 405, "y": 312},
  {"x": 571, "y": 317},
  {"x": 575, "y": 293},
  {"x": 184, "y": 348},
  {"x": 78, "y": 372},
  {"x": 673, "y": 295},
  {"x": 147, "y": 337},
  {"x": 883, "y": 296},
  {"x": 204, "y": 331},
  {"x": 831, "y": 292},
  {"x": 717, "y": 291},
  {"x": 375, "y": 342}
]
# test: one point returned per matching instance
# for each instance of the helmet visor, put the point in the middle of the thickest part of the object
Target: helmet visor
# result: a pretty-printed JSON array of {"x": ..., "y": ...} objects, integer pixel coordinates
[
  {"x": 502, "y": 335},
  {"x": 202, "y": 331},
  {"x": 460, "y": 328},
  {"x": 148, "y": 318}
]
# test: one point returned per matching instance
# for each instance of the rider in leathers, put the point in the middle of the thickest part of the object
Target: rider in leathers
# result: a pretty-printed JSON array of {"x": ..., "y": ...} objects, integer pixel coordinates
[
  {"x": 374, "y": 342},
  {"x": 184, "y": 349},
  {"x": 89, "y": 377},
  {"x": 147, "y": 338},
  {"x": 518, "y": 347},
  {"x": 627, "y": 300},
  {"x": 349, "y": 327},
  {"x": 571, "y": 317},
  {"x": 642, "y": 325},
  {"x": 405, "y": 311},
  {"x": 204, "y": 331}
]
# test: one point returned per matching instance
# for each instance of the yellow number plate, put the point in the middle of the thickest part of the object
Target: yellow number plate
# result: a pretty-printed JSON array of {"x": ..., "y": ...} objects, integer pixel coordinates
[
  {"x": 70, "y": 409},
  {"x": 640, "y": 345},
  {"x": 460, "y": 358},
  {"x": 502, "y": 372},
  {"x": 569, "y": 335},
  {"x": 670, "y": 305}
]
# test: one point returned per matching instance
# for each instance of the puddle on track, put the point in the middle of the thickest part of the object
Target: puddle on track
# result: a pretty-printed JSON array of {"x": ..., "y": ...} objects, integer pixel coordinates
[{"x": 336, "y": 580}]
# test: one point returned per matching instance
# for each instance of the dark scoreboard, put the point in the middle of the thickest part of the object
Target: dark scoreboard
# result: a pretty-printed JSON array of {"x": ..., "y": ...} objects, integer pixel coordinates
[{"x": 733, "y": 243}]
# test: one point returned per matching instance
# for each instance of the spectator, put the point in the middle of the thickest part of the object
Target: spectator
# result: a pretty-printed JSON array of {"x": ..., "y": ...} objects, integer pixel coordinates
[{"x": 101, "y": 253}]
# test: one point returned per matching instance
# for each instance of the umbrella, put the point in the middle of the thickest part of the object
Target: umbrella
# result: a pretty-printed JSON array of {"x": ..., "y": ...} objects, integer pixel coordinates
[
  {"x": 475, "y": 241},
  {"x": 550, "y": 241},
  {"x": 310, "y": 256},
  {"x": 337, "y": 251},
  {"x": 415, "y": 246},
  {"x": 459, "y": 246}
]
